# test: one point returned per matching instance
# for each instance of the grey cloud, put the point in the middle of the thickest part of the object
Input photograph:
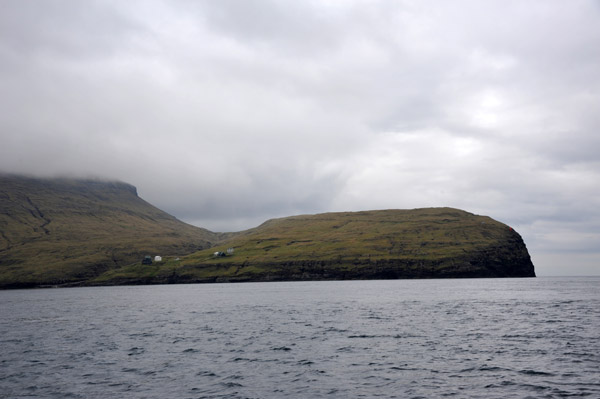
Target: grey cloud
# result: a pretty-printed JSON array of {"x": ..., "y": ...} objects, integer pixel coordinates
[
  {"x": 63, "y": 28},
  {"x": 229, "y": 113}
]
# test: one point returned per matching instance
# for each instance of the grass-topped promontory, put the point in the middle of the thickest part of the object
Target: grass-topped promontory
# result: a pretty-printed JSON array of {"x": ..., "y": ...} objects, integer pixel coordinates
[{"x": 432, "y": 242}]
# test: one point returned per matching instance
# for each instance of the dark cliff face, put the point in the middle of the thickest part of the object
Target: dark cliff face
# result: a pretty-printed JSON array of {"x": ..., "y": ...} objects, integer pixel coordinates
[
  {"x": 511, "y": 259},
  {"x": 480, "y": 265},
  {"x": 516, "y": 263}
]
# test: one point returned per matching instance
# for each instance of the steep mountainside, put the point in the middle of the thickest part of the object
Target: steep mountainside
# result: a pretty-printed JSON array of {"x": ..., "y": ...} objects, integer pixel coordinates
[
  {"x": 420, "y": 243},
  {"x": 56, "y": 231}
]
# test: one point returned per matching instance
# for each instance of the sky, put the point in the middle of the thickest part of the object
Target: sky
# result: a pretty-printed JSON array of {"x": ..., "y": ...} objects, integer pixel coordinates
[{"x": 228, "y": 113}]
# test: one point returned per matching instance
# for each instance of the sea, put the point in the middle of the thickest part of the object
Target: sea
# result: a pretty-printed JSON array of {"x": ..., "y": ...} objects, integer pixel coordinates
[{"x": 451, "y": 338}]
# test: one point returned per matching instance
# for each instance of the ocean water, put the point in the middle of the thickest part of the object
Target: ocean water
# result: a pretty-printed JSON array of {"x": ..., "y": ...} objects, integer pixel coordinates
[{"x": 475, "y": 338}]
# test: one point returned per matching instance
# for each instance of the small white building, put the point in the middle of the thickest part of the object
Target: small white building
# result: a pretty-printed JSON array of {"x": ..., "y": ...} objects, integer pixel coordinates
[{"x": 158, "y": 258}]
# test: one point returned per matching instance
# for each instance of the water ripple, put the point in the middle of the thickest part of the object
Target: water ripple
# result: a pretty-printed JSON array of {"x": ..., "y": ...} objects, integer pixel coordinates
[{"x": 364, "y": 339}]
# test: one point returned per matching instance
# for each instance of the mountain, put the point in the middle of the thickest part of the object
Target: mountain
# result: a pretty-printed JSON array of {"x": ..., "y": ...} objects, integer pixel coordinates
[
  {"x": 65, "y": 231},
  {"x": 420, "y": 243}
]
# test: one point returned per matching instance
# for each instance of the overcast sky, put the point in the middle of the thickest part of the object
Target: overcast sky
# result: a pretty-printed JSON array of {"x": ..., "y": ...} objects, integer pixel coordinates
[{"x": 228, "y": 113}]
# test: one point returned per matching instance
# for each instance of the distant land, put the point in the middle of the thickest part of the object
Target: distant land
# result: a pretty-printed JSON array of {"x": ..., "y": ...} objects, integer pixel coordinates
[{"x": 71, "y": 232}]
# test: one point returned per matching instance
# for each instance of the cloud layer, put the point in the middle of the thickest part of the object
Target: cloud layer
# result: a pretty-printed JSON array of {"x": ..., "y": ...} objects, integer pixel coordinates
[{"x": 229, "y": 113}]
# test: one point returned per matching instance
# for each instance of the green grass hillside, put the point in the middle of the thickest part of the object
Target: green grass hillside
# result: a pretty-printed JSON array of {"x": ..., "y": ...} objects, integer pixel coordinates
[
  {"x": 57, "y": 231},
  {"x": 420, "y": 243}
]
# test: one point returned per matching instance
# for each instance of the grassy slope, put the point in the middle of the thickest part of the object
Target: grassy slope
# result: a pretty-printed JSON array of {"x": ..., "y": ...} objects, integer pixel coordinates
[
  {"x": 55, "y": 231},
  {"x": 435, "y": 242}
]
